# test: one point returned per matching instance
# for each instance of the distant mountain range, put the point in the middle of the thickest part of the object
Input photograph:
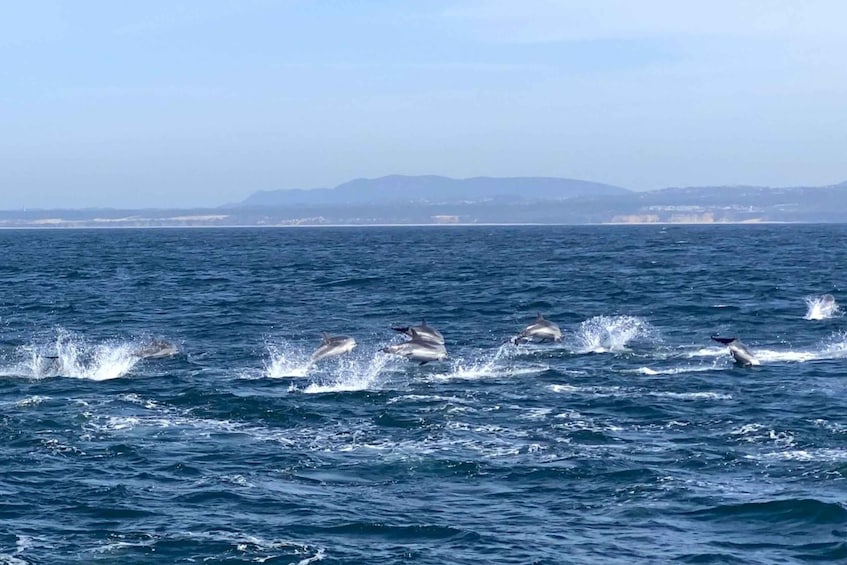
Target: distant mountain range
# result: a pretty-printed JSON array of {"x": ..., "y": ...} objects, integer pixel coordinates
[
  {"x": 481, "y": 200},
  {"x": 429, "y": 189}
]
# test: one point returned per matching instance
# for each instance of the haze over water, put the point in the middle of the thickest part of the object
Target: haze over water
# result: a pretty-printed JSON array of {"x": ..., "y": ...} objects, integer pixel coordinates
[{"x": 635, "y": 439}]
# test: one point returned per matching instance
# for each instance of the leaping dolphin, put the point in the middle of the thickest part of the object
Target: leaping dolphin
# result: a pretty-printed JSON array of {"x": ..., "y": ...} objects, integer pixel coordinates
[
  {"x": 541, "y": 329},
  {"x": 152, "y": 349},
  {"x": 417, "y": 349},
  {"x": 332, "y": 346},
  {"x": 423, "y": 332},
  {"x": 738, "y": 350},
  {"x": 156, "y": 349}
]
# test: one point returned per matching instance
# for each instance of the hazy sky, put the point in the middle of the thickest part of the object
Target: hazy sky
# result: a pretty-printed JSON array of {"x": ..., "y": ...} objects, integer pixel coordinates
[{"x": 183, "y": 103}]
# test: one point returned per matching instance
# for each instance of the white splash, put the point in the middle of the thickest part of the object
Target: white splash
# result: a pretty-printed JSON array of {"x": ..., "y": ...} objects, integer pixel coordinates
[
  {"x": 786, "y": 356},
  {"x": 616, "y": 391},
  {"x": 351, "y": 374},
  {"x": 821, "y": 454},
  {"x": 12, "y": 559},
  {"x": 593, "y": 390},
  {"x": 833, "y": 348},
  {"x": 708, "y": 352},
  {"x": 693, "y": 395},
  {"x": 75, "y": 357},
  {"x": 760, "y": 433},
  {"x": 319, "y": 556},
  {"x": 675, "y": 370},
  {"x": 821, "y": 307},
  {"x": 31, "y": 401},
  {"x": 604, "y": 334},
  {"x": 496, "y": 365},
  {"x": 287, "y": 361}
]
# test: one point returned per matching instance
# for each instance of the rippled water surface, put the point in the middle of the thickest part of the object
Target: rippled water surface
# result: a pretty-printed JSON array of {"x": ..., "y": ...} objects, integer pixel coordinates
[{"x": 635, "y": 439}]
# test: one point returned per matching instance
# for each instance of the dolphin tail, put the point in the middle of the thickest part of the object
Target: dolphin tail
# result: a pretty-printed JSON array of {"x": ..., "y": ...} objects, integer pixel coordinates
[{"x": 724, "y": 340}]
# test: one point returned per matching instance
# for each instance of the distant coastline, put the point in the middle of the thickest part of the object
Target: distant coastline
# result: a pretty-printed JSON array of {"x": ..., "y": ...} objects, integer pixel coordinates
[
  {"x": 429, "y": 225},
  {"x": 429, "y": 200}
]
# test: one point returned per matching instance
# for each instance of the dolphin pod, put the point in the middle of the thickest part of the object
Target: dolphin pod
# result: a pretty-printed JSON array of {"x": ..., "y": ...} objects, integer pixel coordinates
[
  {"x": 423, "y": 332},
  {"x": 422, "y": 347},
  {"x": 427, "y": 344}
]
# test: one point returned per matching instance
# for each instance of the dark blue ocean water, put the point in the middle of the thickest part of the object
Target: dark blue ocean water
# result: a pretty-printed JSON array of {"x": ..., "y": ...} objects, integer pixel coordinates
[{"x": 635, "y": 440}]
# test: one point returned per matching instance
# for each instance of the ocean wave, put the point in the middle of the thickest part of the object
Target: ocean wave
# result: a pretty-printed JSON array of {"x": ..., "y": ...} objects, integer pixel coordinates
[
  {"x": 760, "y": 433},
  {"x": 830, "y": 455},
  {"x": 674, "y": 370},
  {"x": 793, "y": 510},
  {"x": 207, "y": 546},
  {"x": 601, "y": 391},
  {"x": 693, "y": 395}
]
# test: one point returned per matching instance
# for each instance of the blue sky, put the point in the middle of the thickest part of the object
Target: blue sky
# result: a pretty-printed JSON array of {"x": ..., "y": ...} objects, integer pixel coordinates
[{"x": 199, "y": 103}]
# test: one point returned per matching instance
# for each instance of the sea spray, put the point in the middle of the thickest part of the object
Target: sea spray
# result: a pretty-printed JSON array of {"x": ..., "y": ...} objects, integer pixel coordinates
[
  {"x": 821, "y": 307},
  {"x": 71, "y": 355},
  {"x": 602, "y": 334},
  {"x": 287, "y": 361}
]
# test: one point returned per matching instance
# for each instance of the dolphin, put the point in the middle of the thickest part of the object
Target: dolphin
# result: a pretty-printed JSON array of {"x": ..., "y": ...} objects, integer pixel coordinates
[
  {"x": 541, "y": 329},
  {"x": 424, "y": 333},
  {"x": 152, "y": 349},
  {"x": 156, "y": 349},
  {"x": 738, "y": 350},
  {"x": 332, "y": 346},
  {"x": 418, "y": 349}
]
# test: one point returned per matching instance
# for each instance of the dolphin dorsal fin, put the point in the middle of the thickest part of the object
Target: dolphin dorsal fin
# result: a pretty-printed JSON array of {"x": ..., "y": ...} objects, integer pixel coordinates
[
  {"x": 540, "y": 317},
  {"x": 423, "y": 323},
  {"x": 326, "y": 337},
  {"x": 413, "y": 333},
  {"x": 724, "y": 340}
]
